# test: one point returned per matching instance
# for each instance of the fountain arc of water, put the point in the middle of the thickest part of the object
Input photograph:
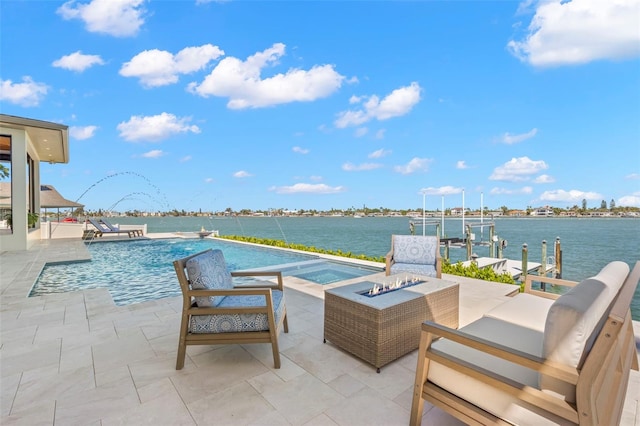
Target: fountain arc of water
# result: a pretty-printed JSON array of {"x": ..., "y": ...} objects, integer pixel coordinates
[{"x": 130, "y": 173}]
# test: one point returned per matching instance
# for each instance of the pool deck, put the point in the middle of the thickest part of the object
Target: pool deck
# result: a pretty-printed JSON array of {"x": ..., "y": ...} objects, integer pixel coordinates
[{"x": 76, "y": 358}]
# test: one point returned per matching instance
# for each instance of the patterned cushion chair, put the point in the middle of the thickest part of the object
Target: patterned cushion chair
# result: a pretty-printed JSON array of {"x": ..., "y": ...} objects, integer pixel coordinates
[
  {"x": 415, "y": 254},
  {"x": 214, "y": 311}
]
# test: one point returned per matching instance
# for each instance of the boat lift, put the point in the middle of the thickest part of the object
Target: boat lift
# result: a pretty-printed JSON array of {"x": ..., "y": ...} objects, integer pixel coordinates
[{"x": 518, "y": 269}]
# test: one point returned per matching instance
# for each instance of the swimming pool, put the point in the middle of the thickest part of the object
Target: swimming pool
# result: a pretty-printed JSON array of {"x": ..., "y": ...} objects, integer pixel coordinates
[{"x": 137, "y": 271}]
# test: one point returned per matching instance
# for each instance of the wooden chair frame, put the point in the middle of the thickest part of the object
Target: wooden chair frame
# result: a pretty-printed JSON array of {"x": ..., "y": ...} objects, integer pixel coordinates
[
  {"x": 601, "y": 383},
  {"x": 189, "y": 309}
]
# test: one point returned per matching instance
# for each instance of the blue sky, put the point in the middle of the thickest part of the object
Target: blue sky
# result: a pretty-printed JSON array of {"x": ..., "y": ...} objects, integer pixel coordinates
[{"x": 331, "y": 104}]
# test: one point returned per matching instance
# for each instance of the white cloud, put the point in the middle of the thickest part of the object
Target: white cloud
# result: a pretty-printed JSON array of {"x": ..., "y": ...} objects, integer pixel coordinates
[
  {"x": 315, "y": 178},
  {"x": 397, "y": 103},
  {"x": 443, "y": 190},
  {"x": 242, "y": 83},
  {"x": 155, "y": 153},
  {"x": 155, "y": 127},
  {"x": 413, "y": 166},
  {"x": 119, "y": 18},
  {"x": 361, "y": 131},
  {"x": 544, "y": 179},
  {"x": 159, "y": 68},
  {"x": 629, "y": 200},
  {"x": 518, "y": 169},
  {"x": 580, "y": 31},
  {"x": 300, "y": 150},
  {"x": 461, "y": 165},
  {"x": 27, "y": 94},
  {"x": 77, "y": 61},
  {"x": 633, "y": 176},
  {"x": 318, "y": 188},
  {"x": 380, "y": 134},
  {"x": 242, "y": 174},
  {"x": 380, "y": 153},
  {"x": 349, "y": 167},
  {"x": 209, "y": 180},
  {"x": 504, "y": 191},
  {"x": 185, "y": 159},
  {"x": 569, "y": 196},
  {"x": 82, "y": 133},
  {"x": 510, "y": 139}
]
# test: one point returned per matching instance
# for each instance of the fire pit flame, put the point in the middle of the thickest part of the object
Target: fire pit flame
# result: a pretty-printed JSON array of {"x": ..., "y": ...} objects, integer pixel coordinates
[{"x": 394, "y": 285}]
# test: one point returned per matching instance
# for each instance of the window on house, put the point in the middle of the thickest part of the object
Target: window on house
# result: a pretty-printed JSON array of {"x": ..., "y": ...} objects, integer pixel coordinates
[
  {"x": 32, "y": 213},
  {"x": 5, "y": 185}
]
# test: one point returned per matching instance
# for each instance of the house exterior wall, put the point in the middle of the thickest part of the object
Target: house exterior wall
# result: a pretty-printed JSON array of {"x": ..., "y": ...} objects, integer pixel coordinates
[{"x": 21, "y": 237}]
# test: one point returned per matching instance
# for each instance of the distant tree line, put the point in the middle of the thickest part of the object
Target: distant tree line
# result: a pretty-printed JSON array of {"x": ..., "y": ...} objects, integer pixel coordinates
[{"x": 364, "y": 211}]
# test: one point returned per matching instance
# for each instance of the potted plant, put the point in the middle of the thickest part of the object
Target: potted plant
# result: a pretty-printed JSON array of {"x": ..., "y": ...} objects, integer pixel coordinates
[{"x": 32, "y": 219}]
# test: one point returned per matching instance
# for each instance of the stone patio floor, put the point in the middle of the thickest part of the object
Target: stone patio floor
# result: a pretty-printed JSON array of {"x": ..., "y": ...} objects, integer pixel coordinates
[{"x": 77, "y": 359}]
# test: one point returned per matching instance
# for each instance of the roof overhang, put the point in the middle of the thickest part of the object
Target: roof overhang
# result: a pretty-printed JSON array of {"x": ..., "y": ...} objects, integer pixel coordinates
[{"x": 51, "y": 140}]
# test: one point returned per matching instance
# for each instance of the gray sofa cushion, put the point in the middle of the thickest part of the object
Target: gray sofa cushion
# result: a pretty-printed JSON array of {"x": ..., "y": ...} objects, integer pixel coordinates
[{"x": 575, "y": 319}]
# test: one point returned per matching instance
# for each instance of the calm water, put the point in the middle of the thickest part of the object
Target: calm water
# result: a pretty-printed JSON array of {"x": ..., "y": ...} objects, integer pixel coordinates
[{"x": 587, "y": 244}]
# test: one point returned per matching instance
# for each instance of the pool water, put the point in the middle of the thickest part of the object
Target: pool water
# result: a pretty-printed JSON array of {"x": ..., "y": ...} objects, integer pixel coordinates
[
  {"x": 322, "y": 271},
  {"x": 137, "y": 271}
]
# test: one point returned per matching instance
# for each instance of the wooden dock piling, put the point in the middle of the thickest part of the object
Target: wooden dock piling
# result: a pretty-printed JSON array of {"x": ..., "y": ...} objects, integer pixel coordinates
[
  {"x": 525, "y": 268},
  {"x": 558, "y": 254}
]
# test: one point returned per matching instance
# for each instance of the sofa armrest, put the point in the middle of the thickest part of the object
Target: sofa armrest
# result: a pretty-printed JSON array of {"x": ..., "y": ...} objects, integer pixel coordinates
[
  {"x": 531, "y": 395},
  {"x": 548, "y": 280},
  {"x": 277, "y": 274},
  {"x": 388, "y": 262},
  {"x": 438, "y": 267}
]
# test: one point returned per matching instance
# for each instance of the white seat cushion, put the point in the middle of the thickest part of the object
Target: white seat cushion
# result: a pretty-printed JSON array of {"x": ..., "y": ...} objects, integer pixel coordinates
[
  {"x": 427, "y": 270},
  {"x": 523, "y": 309}
]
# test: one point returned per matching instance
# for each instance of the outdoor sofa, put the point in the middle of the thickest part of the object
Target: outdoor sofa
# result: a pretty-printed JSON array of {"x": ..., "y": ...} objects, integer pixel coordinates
[{"x": 539, "y": 358}]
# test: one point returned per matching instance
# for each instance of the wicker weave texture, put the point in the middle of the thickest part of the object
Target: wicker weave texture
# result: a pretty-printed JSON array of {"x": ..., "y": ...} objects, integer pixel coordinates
[{"x": 380, "y": 336}]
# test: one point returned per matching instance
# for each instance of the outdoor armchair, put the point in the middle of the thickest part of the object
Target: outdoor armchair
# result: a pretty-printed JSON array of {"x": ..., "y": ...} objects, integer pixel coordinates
[
  {"x": 214, "y": 311},
  {"x": 415, "y": 254}
]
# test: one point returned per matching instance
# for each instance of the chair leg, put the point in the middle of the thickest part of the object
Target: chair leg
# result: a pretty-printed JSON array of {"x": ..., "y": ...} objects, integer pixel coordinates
[
  {"x": 422, "y": 370},
  {"x": 182, "y": 343},
  {"x": 182, "y": 352},
  {"x": 275, "y": 349}
]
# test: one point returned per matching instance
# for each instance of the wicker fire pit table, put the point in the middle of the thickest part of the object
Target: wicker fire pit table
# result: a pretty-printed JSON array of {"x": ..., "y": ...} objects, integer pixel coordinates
[{"x": 382, "y": 328}]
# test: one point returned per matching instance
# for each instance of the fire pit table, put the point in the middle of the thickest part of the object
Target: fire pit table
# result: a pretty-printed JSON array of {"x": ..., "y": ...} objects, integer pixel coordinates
[{"x": 383, "y": 327}]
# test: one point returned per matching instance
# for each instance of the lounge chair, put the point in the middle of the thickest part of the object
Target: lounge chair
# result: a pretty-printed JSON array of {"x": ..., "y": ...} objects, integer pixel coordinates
[
  {"x": 102, "y": 229},
  {"x": 415, "y": 254},
  {"x": 131, "y": 232},
  {"x": 214, "y": 311}
]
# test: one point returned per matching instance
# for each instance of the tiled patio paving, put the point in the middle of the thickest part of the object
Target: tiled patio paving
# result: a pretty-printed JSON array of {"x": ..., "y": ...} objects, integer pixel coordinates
[{"x": 76, "y": 358}]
